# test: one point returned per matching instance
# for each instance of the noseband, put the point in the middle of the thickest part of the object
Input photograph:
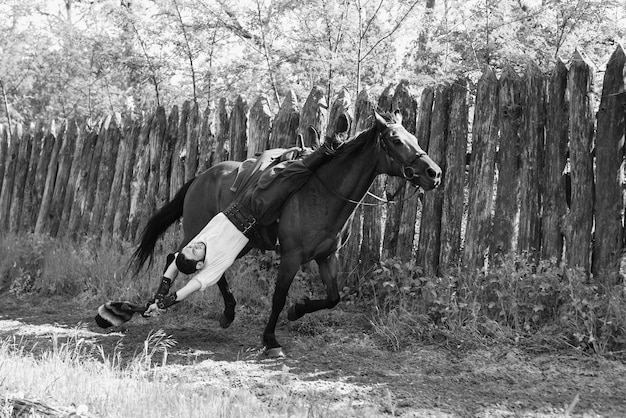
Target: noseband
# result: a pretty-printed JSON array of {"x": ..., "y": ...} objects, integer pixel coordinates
[{"x": 408, "y": 172}]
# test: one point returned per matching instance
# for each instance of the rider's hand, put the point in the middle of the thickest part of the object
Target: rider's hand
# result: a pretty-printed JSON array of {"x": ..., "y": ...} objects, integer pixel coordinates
[{"x": 153, "y": 310}]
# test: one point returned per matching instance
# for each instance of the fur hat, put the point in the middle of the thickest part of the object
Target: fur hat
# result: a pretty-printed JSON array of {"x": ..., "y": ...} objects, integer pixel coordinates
[{"x": 116, "y": 313}]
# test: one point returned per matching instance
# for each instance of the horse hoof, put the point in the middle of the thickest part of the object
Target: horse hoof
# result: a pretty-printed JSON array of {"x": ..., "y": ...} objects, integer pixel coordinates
[
  {"x": 276, "y": 352},
  {"x": 291, "y": 313},
  {"x": 225, "y": 321}
]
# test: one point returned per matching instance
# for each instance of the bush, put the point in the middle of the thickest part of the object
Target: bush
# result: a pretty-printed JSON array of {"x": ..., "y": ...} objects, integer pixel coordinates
[{"x": 517, "y": 301}]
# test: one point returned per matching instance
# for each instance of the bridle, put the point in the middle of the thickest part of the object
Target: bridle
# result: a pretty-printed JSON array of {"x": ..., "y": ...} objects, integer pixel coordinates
[{"x": 407, "y": 171}]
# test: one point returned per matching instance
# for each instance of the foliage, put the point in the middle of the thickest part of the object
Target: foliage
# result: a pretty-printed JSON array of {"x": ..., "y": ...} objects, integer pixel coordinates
[
  {"x": 64, "y": 59},
  {"x": 517, "y": 300}
]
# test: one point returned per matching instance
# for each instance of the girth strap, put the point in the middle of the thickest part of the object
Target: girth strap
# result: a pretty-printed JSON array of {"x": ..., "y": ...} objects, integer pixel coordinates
[{"x": 242, "y": 218}]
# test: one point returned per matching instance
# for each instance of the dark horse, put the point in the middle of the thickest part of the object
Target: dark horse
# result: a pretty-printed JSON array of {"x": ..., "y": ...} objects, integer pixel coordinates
[{"x": 313, "y": 220}]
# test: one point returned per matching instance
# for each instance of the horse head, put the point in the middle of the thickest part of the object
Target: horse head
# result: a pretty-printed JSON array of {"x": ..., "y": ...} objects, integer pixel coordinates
[{"x": 404, "y": 157}]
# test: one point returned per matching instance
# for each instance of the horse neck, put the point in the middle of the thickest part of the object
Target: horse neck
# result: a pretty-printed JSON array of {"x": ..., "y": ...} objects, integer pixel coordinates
[{"x": 348, "y": 176}]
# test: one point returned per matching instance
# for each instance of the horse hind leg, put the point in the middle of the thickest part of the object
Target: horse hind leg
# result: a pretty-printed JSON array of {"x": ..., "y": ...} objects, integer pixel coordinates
[
  {"x": 328, "y": 273},
  {"x": 228, "y": 316}
]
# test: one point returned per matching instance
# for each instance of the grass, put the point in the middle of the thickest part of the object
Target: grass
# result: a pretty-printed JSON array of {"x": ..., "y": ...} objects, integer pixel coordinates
[
  {"x": 539, "y": 307},
  {"x": 70, "y": 377}
]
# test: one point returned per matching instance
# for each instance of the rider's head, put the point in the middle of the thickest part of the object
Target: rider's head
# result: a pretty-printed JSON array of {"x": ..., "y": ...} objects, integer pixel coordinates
[{"x": 191, "y": 258}]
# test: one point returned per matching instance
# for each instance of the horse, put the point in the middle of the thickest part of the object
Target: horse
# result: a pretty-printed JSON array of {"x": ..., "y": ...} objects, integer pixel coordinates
[{"x": 313, "y": 224}]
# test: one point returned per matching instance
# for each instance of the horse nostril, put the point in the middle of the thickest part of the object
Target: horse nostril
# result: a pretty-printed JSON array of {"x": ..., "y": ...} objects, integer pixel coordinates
[{"x": 431, "y": 173}]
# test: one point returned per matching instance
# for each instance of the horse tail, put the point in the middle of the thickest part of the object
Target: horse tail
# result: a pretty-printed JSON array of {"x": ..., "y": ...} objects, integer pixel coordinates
[{"x": 156, "y": 227}]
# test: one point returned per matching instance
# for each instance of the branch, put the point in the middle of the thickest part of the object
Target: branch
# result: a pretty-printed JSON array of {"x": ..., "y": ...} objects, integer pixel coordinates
[
  {"x": 392, "y": 31},
  {"x": 189, "y": 53}
]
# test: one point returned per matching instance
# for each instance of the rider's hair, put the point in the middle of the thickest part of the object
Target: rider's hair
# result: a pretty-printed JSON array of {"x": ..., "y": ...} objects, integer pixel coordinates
[{"x": 186, "y": 265}]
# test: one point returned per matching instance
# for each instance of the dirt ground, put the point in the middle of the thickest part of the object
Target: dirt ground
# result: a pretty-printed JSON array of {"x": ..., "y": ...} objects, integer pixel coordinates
[{"x": 335, "y": 362}]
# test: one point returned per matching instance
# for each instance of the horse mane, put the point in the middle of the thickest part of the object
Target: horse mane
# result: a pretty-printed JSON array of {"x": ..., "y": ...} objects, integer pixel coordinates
[{"x": 362, "y": 138}]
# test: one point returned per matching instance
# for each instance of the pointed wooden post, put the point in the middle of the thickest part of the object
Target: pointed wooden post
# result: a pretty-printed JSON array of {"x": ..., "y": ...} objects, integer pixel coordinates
[
  {"x": 482, "y": 170},
  {"x": 4, "y": 142},
  {"x": 454, "y": 178},
  {"x": 506, "y": 215},
  {"x": 372, "y": 239},
  {"x": 238, "y": 130},
  {"x": 66, "y": 154},
  {"x": 113, "y": 201},
  {"x": 194, "y": 127},
  {"x": 259, "y": 126},
  {"x": 111, "y": 143},
  {"x": 221, "y": 126},
  {"x": 340, "y": 106},
  {"x": 138, "y": 184},
  {"x": 78, "y": 202},
  {"x": 429, "y": 246},
  {"x": 206, "y": 142},
  {"x": 21, "y": 170},
  {"x": 314, "y": 113},
  {"x": 553, "y": 197},
  {"x": 9, "y": 179},
  {"x": 579, "y": 220},
  {"x": 285, "y": 125},
  {"x": 609, "y": 203},
  {"x": 51, "y": 164},
  {"x": 532, "y": 136},
  {"x": 131, "y": 132}
]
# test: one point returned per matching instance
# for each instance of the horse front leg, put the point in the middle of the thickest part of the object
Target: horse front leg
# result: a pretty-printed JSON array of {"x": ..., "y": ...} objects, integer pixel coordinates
[
  {"x": 289, "y": 266},
  {"x": 328, "y": 273},
  {"x": 228, "y": 316}
]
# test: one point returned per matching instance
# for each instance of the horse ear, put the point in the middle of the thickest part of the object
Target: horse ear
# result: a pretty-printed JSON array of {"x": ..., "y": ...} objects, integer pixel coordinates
[
  {"x": 299, "y": 141},
  {"x": 343, "y": 124},
  {"x": 398, "y": 116},
  {"x": 381, "y": 123},
  {"x": 314, "y": 132}
]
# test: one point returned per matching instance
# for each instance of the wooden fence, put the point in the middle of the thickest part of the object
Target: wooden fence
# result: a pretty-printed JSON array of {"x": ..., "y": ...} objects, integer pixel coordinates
[{"x": 104, "y": 179}]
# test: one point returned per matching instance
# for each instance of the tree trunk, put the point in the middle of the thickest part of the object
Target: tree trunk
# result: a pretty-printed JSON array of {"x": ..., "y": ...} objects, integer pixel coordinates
[{"x": 609, "y": 204}]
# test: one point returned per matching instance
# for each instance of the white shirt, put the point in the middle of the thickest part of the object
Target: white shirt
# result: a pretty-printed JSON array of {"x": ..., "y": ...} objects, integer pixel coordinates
[{"x": 223, "y": 243}]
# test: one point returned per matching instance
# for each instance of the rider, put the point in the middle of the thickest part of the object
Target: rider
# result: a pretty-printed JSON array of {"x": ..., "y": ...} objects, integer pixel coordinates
[{"x": 258, "y": 202}]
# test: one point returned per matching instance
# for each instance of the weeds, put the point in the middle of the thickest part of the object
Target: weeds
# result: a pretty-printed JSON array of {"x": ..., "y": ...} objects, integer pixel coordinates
[{"x": 517, "y": 301}]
